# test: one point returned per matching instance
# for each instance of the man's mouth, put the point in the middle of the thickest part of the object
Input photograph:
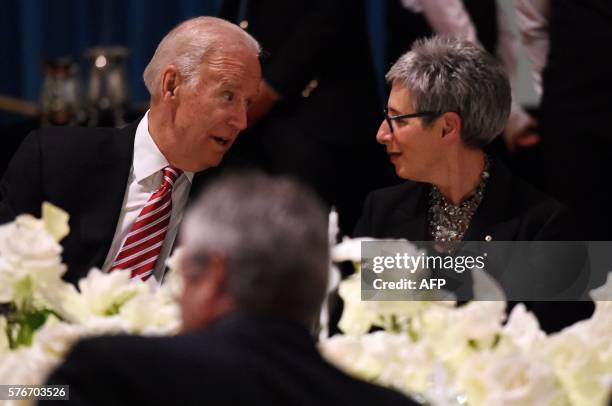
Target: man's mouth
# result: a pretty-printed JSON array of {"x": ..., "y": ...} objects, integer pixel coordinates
[{"x": 221, "y": 140}]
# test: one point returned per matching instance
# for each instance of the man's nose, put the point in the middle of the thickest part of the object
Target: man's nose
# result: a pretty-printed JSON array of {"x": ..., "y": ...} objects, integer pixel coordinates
[{"x": 239, "y": 118}]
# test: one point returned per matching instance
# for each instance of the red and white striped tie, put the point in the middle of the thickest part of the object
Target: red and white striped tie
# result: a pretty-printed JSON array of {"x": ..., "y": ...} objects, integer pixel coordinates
[{"x": 142, "y": 246}]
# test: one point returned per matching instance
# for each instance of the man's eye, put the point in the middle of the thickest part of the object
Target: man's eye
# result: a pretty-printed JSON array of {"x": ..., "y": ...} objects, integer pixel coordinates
[{"x": 229, "y": 96}]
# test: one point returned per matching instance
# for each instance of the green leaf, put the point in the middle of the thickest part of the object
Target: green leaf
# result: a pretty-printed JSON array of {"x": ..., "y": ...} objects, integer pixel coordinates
[{"x": 22, "y": 326}]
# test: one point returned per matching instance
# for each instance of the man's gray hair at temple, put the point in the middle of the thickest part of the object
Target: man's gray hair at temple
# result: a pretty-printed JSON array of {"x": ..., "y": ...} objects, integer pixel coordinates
[
  {"x": 272, "y": 235},
  {"x": 447, "y": 75}
]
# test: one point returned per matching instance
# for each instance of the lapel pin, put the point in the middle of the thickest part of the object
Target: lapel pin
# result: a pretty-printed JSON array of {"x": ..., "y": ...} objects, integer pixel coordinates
[{"x": 488, "y": 238}]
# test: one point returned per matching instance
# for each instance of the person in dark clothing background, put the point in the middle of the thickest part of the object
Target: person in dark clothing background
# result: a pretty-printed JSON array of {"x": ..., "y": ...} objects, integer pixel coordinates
[
  {"x": 564, "y": 42},
  {"x": 318, "y": 106},
  {"x": 574, "y": 74},
  {"x": 487, "y": 23}
]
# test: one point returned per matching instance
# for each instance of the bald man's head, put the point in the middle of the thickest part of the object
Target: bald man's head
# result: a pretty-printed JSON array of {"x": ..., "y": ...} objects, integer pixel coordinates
[{"x": 189, "y": 43}]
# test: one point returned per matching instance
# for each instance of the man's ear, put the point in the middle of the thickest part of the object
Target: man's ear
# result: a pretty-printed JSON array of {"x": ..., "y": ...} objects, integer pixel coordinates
[
  {"x": 205, "y": 296},
  {"x": 208, "y": 283},
  {"x": 170, "y": 83},
  {"x": 216, "y": 275},
  {"x": 451, "y": 126}
]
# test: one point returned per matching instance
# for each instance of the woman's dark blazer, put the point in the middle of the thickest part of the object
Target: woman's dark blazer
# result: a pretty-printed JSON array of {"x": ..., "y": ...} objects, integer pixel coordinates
[{"x": 511, "y": 210}]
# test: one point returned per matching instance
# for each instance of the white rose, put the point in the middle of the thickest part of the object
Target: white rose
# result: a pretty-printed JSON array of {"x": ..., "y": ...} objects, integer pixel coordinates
[
  {"x": 102, "y": 294},
  {"x": 480, "y": 321},
  {"x": 341, "y": 350},
  {"x": 388, "y": 359},
  {"x": 57, "y": 338},
  {"x": 26, "y": 366},
  {"x": 30, "y": 265},
  {"x": 408, "y": 365},
  {"x": 581, "y": 367},
  {"x": 523, "y": 329},
  {"x": 348, "y": 250},
  {"x": 494, "y": 378},
  {"x": 152, "y": 314},
  {"x": 357, "y": 316},
  {"x": 27, "y": 244},
  {"x": 455, "y": 334},
  {"x": 402, "y": 315},
  {"x": 107, "y": 325},
  {"x": 599, "y": 326}
]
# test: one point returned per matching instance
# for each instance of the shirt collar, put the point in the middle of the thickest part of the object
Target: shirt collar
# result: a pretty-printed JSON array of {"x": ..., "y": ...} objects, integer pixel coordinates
[{"x": 148, "y": 159}]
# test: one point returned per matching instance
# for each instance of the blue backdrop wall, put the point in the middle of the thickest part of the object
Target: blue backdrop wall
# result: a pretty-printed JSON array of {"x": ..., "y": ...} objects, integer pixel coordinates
[{"x": 34, "y": 30}]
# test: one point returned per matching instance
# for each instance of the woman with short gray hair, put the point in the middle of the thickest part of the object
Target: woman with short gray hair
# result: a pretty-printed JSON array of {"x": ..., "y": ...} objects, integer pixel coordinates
[
  {"x": 446, "y": 75},
  {"x": 448, "y": 100}
]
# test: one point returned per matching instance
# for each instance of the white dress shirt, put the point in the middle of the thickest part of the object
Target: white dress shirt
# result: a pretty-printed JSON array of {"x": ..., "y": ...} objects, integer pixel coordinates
[
  {"x": 532, "y": 20},
  {"x": 144, "y": 179}
]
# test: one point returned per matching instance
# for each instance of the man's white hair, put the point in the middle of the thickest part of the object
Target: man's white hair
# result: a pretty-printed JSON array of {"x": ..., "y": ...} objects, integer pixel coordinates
[
  {"x": 272, "y": 233},
  {"x": 188, "y": 44}
]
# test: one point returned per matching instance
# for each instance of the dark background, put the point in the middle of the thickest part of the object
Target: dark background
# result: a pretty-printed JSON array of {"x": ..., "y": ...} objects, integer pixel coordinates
[{"x": 35, "y": 30}]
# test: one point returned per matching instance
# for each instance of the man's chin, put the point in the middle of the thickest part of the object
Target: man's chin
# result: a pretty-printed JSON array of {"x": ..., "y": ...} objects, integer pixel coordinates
[{"x": 209, "y": 164}]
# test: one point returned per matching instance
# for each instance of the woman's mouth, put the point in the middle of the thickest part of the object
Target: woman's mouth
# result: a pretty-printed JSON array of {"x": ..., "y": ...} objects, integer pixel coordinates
[{"x": 393, "y": 156}]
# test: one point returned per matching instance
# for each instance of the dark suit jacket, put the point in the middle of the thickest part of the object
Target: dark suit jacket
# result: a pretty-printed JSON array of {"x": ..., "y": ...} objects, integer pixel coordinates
[
  {"x": 404, "y": 26},
  {"x": 321, "y": 40},
  {"x": 81, "y": 170},
  {"x": 316, "y": 56},
  {"x": 511, "y": 210},
  {"x": 239, "y": 360}
]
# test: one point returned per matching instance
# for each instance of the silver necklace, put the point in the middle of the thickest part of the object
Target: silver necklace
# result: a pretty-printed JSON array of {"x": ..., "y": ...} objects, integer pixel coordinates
[{"x": 447, "y": 222}]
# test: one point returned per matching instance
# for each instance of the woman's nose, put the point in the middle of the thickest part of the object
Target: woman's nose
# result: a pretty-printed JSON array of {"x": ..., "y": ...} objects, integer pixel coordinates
[{"x": 384, "y": 133}]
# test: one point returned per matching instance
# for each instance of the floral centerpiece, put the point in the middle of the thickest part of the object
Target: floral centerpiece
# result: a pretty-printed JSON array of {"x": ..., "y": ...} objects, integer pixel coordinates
[
  {"x": 41, "y": 316},
  {"x": 443, "y": 354},
  {"x": 434, "y": 351}
]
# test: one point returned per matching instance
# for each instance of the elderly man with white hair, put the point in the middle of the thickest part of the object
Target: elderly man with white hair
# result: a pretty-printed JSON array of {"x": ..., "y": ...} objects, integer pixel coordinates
[{"x": 126, "y": 189}]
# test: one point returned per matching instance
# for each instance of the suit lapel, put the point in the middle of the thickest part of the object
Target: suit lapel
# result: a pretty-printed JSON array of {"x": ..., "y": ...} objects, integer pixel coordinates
[
  {"x": 491, "y": 217},
  {"x": 103, "y": 194},
  {"x": 201, "y": 180},
  {"x": 410, "y": 221}
]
